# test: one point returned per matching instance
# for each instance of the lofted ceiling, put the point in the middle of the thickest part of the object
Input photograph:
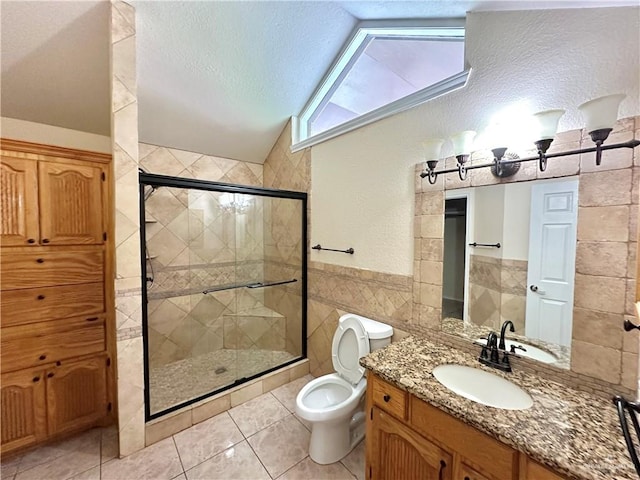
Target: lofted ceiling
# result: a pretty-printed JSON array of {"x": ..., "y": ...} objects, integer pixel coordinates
[{"x": 216, "y": 77}]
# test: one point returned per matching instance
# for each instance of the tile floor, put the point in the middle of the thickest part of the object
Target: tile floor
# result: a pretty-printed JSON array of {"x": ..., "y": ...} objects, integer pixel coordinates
[{"x": 260, "y": 439}]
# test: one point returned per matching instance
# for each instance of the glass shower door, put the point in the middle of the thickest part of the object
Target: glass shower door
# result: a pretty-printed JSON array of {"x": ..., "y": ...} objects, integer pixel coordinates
[{"x": 225, "y": 289}]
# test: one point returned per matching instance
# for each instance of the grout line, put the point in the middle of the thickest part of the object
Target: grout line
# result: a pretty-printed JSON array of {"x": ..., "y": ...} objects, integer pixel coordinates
[
  {"x": 173, "y": 437},
  {"x": 295, "y": 465},
  {"x": 258, "y": 457}
]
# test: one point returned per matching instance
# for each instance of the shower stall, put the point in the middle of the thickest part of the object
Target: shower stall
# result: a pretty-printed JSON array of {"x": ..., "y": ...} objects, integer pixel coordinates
[{"x": 224, "y": 286}]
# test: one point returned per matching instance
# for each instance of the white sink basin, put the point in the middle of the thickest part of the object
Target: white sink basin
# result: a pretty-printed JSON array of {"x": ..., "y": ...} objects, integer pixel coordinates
[
  {"x": 532, "y": 352},
  {"x": 482, "y": 387}
]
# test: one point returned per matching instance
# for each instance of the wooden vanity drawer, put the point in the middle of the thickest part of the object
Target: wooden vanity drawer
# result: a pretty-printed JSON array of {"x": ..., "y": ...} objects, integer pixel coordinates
[
  {"x": 45, "y": 267},
  {"x": 486, "y": 454},
  {"x": 41, "y": 304},
  {"x": 43, "y": 343},
  {"x": 389, "y": 398}
]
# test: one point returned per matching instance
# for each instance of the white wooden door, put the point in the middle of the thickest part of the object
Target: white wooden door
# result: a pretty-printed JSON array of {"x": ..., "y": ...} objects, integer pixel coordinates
[{"x": 552, "y": 258}]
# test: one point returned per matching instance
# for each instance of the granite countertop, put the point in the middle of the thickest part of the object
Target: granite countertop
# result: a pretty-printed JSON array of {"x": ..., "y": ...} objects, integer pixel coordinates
[{"x": 572, "y": 432}]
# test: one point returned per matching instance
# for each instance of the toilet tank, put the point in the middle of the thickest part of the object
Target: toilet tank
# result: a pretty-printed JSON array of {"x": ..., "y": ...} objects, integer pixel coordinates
[{"x": 379, "y": 333}]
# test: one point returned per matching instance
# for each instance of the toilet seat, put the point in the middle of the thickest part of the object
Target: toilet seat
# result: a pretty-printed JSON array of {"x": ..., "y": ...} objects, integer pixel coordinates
[{"x": 350, "y": 343}]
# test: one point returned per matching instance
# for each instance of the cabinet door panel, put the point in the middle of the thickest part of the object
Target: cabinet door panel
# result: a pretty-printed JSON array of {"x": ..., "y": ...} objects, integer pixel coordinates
[
  {"x": 76, "y": 394},
  {"x": 18, "y": 201},
  {"x": 402, "y": 453},
  {"x": 468, "y": 473},
  {"x": 23, "y": 409},
  {"x": 70, "y": 204}
]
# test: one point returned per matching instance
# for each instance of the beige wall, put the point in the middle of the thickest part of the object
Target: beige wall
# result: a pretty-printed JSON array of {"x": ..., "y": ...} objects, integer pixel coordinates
[
  {"x": 49, "y": 135},
  {"x": 362, "y": 180}
]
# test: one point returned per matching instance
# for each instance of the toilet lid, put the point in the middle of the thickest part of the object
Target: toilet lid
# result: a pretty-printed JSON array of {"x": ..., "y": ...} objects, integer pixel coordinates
[{"x": 350, "y": 343}]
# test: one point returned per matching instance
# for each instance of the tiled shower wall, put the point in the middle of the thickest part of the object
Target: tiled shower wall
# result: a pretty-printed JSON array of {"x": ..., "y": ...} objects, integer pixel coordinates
[
  {"x": 604, "y": 358},
  {"x": 286, "y": 171}
]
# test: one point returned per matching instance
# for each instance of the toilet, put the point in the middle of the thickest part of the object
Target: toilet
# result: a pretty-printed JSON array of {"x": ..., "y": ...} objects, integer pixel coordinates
[{"x": 334, "y": 403}]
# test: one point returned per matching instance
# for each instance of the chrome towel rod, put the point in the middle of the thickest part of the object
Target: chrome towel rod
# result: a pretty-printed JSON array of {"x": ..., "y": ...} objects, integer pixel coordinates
[{"x": 350, "y": 251}]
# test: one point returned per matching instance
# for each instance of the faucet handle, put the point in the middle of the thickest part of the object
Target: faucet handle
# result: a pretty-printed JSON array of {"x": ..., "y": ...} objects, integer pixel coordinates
[{"x": 514, "y": 347}]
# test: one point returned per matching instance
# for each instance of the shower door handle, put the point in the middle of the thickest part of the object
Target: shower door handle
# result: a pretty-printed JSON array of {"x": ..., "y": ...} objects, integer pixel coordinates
[{"x": 271, "y": 284}]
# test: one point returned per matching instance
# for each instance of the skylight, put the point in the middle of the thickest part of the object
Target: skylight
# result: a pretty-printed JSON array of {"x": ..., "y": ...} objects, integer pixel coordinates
[{"x": 382, "y": 70}]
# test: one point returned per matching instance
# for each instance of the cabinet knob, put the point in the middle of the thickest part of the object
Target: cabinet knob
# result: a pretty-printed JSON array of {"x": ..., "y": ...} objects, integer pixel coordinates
[
  {"x": 43, "y": 357},
  {"x": 36, "y": 379},
  {"x": 386, "y": 397},
  {"x": 40, "y": 297},
  {"x": 45, "y": 240},
  {"x": 31, "y": 240},
  {"x": 50, "y": 374},
  {"x": 40, "y": 260}
]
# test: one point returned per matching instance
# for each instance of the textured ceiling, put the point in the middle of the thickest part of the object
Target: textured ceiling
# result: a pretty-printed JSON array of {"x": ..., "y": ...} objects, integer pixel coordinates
[{"x": 216, "y": 77}]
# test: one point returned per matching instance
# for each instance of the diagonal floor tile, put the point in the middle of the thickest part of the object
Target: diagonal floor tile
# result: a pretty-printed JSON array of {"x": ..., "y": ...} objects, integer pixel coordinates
[
  {"x": 84, "y": 442},
  {"x": 287, "y": 394},
  {"x": 355, "y": 461},
  {"x": 307, "y": 469},
  {"x": 237, "y": 463},
  {"x": 282, "y": 445},
  {"x": 63, "y": 467},
  {"x": 157, "y": 462},
  {"x": 257, "y": 414},
  {"x": 92, "y": 474},
  {"x": 206, "y": 439},
  {"x": 9, "y": 468},
  {"x": 109, "y": 445}
]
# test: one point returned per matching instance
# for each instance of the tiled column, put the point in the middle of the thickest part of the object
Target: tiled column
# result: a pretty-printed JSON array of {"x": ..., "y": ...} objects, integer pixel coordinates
[
  {"x": 127, "y": 238},
  {"x": 605, "y": 276},
  {"x": 429, "y": 252}
]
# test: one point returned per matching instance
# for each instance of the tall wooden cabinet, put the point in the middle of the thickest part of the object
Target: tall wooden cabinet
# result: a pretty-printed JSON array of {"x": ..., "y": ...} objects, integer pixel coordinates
[{"x": 56, "y": 303}]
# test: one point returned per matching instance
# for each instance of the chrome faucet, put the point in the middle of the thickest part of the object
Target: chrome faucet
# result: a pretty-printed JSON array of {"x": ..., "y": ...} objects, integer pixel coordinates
[{"x": 512, "y": 329}]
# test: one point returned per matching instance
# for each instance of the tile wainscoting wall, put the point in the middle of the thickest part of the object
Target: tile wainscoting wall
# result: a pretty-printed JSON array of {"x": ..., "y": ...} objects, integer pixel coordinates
[{"x": 497, "y": 291}]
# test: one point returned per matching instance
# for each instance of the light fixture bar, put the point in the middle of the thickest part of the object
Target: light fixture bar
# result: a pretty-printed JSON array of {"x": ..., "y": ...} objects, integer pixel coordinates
[{"x": 598, "y": 148}]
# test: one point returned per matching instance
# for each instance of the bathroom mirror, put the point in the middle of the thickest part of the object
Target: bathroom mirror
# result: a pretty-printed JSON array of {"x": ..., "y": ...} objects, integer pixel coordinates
[{"x": 509, "y": 254}]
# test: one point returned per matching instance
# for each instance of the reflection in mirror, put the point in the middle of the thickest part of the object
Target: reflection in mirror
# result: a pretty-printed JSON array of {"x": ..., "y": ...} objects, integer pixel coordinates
[{"x": 510, "y": 255}]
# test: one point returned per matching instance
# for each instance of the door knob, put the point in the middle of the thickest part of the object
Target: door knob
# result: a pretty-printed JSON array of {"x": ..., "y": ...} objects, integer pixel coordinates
[{"x": 535, "y": 289}]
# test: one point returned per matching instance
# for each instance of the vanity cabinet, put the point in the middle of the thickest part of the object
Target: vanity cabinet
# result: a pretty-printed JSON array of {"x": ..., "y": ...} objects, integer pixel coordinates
[
  {"x": 56, "y": 292},
  {"x": 408, "y": 438}
]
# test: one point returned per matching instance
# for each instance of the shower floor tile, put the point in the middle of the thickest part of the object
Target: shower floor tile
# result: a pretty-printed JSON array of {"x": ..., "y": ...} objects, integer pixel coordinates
[
  {"x": 215, "y": 448},
  {"x": 190, "y": 378}
]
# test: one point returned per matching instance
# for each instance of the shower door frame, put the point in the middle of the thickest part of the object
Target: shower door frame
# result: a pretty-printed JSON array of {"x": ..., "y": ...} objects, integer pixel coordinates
[{"x": 154, "y": 180}]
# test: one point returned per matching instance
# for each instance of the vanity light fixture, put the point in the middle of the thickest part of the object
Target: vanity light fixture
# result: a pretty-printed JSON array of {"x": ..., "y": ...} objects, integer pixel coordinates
[
  {"x": 432, "y": 149},
  {"x": 462, "y": 142},
  {"x": 600, "y": 115},
  {"x": 548, "y": 126}
]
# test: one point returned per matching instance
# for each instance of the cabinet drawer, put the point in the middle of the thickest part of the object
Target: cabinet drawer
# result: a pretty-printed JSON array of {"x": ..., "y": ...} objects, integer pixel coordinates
[
  {"x": 41, "y": 304},
  {"x": 491, "y": 457},
  {"x": 43, "y": 343},
  {"x": 44, "y": 267},
  {"x": 389, "y": 398}
]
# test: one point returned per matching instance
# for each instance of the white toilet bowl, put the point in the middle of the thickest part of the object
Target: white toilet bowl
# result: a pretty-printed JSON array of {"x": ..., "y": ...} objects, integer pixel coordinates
[{"x": 334, "y": 403}]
